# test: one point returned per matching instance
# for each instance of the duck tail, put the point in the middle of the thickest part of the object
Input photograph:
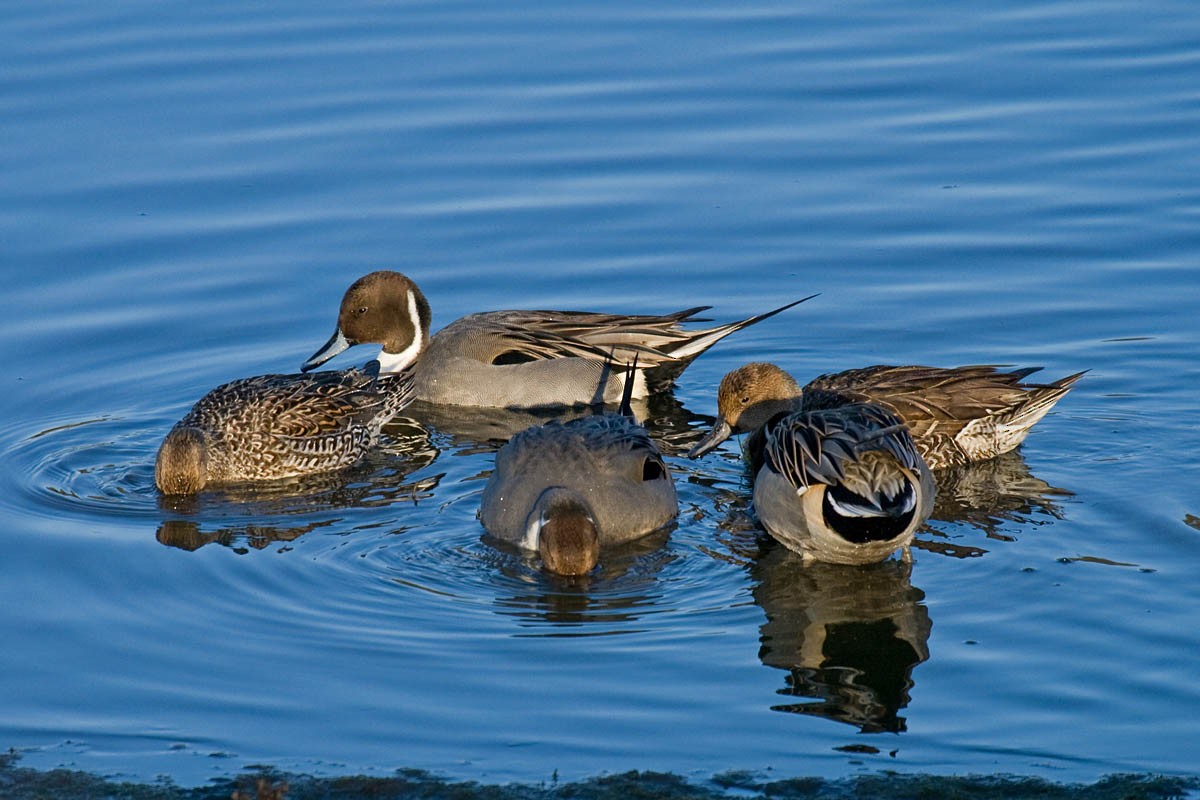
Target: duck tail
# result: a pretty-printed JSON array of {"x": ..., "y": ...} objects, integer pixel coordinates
[
  {"x": 701, "y": 340},
  {"x": 871, "y": 516},
  {"x": 696, "y": 342},
  {"x": 1041, "y": 399}
]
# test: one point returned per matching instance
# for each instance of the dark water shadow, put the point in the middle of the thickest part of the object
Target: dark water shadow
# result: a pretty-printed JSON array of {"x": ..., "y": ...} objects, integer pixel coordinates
[
  {"x": 470, "y": 431},
  {"x": 473, "y": 431},
  {"x": 848, "y": 637}
]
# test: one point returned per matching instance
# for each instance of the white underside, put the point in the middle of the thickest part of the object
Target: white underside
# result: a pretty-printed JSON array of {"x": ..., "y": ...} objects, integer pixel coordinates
[{"x": 533, "y": 533}]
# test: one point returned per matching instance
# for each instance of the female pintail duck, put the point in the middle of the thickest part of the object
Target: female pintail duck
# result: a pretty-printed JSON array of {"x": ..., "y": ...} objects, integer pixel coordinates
[
  {"x": 566, "y": 490},
  {"x": 956, "y": 415},
  {"x": 842, "y": 485},
  {"x": 281, "y": 426},
  {"x": 522, "y": 359}
]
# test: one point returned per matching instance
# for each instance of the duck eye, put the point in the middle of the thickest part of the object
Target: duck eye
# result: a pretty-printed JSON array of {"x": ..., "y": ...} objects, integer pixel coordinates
[
  {"x": 746, "y": 400},
  {"x": 361, "y": 310},
  {"x": 653, "y": 470}
]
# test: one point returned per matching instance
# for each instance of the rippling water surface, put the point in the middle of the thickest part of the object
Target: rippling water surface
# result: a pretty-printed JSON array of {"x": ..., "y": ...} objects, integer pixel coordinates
[{"x": 189, "y": 188}]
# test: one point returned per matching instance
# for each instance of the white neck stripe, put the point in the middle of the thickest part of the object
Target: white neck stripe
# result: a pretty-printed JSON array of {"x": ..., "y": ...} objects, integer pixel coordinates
[{"x": 395, "y": 362}]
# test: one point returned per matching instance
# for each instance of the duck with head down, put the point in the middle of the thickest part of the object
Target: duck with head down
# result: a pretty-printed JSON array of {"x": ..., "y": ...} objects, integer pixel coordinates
[{"x": 566, "y": 490}]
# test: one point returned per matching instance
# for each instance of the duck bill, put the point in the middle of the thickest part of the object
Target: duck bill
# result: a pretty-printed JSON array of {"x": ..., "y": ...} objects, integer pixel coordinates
[
  {"x": 719, "y": 433},
  {"x": 336, "y": 344}
]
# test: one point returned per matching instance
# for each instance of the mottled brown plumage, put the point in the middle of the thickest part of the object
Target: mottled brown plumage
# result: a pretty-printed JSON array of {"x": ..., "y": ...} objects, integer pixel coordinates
[
  {"x": 956, "y": 415},
  {"x": 278, "y": 426},
  {"x": 282, "y": 426}
]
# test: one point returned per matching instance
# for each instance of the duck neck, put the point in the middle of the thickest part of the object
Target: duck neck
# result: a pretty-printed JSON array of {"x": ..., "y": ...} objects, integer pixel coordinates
[{"x": 398, "y": 361}]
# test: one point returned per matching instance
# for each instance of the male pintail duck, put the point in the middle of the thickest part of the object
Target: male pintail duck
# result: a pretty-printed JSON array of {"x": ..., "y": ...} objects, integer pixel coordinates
[
  {"x": 282, "y": 426},
  {"x": 521, "y": 359},
  {"x": 842, "y": 485},
  {"x": 566, "y": 490},
  {"x": 956, "y": 415}
]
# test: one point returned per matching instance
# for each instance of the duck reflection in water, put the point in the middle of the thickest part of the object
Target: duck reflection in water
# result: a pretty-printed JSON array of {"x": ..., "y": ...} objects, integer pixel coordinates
[
  {"x": 999, "y": 497},
  {"x": 186, "y": 534},
  {"x": 623, "y": 589},
  {"x": 849, "y": 636},
  {"x": 485, "y": 430}
]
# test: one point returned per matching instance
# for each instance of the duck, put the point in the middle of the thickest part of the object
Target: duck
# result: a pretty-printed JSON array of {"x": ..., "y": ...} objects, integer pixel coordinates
[
  {"x": 956, "y": 415},
  {"x": 520, "y": 359},
  {"x": 566, "y": 490},
  {"x": 277, "y": 426},
  {"x": 844, "y": 485}
]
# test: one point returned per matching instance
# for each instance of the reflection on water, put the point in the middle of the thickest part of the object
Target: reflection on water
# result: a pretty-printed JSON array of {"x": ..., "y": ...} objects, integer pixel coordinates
[
  {"x": 484, "y": 430},
  {"x": 988, "y": 496},
  {"x": 675, "y": 428},
  {"x": 623, "y": 587},
  {"x": 849, "y": 637},
  {"x": 473, "y": 431},
  {"x": 187, "y": 535}
]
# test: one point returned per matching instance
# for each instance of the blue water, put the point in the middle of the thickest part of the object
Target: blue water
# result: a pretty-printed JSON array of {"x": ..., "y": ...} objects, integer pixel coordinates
[{"x": 189, "y": 188}]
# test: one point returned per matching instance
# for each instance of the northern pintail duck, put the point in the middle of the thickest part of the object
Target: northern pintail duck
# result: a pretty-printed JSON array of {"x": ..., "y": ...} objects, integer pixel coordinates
[
  {"x": 956, "y": 415},
  {"x": 567, "y": 490},
  {"x": 842, "y": 485},
  {"x": 282, "y": 426},
  {"x": 522, "y": 359}
]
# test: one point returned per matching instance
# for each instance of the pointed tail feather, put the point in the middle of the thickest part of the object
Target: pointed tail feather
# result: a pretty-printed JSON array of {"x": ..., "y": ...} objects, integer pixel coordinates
[
  {"x": 702, "y": 340},
  {"x": 1013, "y": 429},
  {"x": 691, "y": 346},
  {"x": 1042, "y": 399}
]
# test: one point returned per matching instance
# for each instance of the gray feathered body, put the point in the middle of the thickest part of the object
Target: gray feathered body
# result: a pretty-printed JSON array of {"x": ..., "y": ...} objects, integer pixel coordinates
[
  {"x": 607, "y": 460},
  {"x": 551, "y": 358}
]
